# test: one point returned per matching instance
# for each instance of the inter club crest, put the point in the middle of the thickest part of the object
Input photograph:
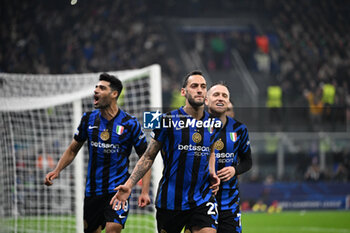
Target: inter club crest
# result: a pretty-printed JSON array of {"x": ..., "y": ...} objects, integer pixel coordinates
[
  {"x": 219, "y": 145},
  {"x": 197, "y": 137},
  {"x": 105, "y": 135}
]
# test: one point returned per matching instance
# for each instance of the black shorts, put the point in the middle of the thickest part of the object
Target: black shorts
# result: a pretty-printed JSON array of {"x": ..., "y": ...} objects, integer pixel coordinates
[
  {"x": 229, "y": 221},
  {"x": 98, "y": 211},
  {"x": 173, "y": 221}
]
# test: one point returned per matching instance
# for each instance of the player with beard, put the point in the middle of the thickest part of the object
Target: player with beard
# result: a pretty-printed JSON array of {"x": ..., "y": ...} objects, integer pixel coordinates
[
  {"x": 185, "y": 192},
  {"x": 111, "y": 133}
]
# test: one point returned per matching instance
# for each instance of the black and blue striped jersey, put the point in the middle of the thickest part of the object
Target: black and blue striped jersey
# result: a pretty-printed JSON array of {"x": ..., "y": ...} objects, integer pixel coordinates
[
  {"x": 185, "y": 151},
  {"x": 110, "y": 144},
  {"x": 232, "y": 145}
]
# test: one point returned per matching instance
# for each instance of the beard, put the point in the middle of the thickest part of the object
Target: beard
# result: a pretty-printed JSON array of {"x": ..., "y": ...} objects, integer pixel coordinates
[
  {"x": 193, "y": 102},
  {"x": 102, "y": 104}
]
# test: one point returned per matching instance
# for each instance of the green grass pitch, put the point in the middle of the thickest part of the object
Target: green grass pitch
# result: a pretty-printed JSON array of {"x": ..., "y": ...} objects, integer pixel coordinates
[
  {"x": 284, "y": 222},
  {"x": 66, "y": 224},
  {"x": 297, "y": 221}
]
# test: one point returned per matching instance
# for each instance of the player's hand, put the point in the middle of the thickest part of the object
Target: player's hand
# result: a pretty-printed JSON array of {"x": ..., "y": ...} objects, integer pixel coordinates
[
  {"x": 215, "y": 182},
  {"x": 144, "y": 200},
  {"x": 120, "y": 198},
  {"x": 50, "y": 177},
  {"x": 226, "y": 173}
]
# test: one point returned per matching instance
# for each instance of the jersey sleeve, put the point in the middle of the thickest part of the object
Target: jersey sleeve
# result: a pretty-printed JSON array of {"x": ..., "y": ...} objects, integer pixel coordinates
[
  {"x": 216, "y": 131},
  {"x": 139, "y": 138},
  {"x": 160, "y": 133},
  {"x": 244, "y": 153},
  {"x": 245, "y": 142},
  {"x": 81, "y": 133}
]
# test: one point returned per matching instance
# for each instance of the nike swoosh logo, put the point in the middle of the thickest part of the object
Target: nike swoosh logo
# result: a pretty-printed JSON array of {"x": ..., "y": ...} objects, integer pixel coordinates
[
  {"x": 120, "y": 216},
  {"x": 92, "y": 127}
]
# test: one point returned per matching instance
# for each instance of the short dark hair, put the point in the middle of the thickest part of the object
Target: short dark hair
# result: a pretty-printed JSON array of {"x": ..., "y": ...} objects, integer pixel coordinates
[
  {"x": 194, "y": 72},
  {"x": 231, "y": 101},
  {"x": 222, "y": 83},
  {"x": 114, "y": 82}
]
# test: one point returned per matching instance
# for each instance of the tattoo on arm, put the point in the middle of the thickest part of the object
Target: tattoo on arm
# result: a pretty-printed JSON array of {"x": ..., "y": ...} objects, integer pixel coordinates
[{"x": 145, "y": 162}]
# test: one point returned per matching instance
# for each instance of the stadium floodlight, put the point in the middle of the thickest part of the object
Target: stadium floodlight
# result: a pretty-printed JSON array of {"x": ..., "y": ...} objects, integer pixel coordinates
[{"x": 38, "y": 115}]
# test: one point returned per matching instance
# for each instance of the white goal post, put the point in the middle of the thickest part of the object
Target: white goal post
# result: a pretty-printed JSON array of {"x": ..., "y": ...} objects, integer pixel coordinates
[{"x": 38, "y": 115}]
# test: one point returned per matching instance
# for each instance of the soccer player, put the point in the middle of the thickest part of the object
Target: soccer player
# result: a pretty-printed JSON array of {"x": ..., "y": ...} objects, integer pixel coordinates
[
  {"x": 233, "y": 157},
  {"x": 111, "y": 133},
  {"x": 185, "y": 139},
  {"x": 230, "y": 111}
]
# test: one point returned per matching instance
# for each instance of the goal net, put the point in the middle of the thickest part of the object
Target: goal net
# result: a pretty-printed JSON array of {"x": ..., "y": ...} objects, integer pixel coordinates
[{"x": 39, "y": 115}]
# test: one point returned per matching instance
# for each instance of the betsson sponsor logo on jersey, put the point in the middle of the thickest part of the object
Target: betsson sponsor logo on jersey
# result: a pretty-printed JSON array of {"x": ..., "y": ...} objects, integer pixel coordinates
[
  {"x": 193, "y": 148},
  {"x": 108, "y": 147},
  {"x": 198, "y": 150},
  {"x": 224, "y": 157}
]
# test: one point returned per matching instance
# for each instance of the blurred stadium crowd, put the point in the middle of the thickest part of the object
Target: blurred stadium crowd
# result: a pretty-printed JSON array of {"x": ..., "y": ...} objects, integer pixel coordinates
[
  {"x": 303, "y": 47},
  {"x": 54, "y": 37}
]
